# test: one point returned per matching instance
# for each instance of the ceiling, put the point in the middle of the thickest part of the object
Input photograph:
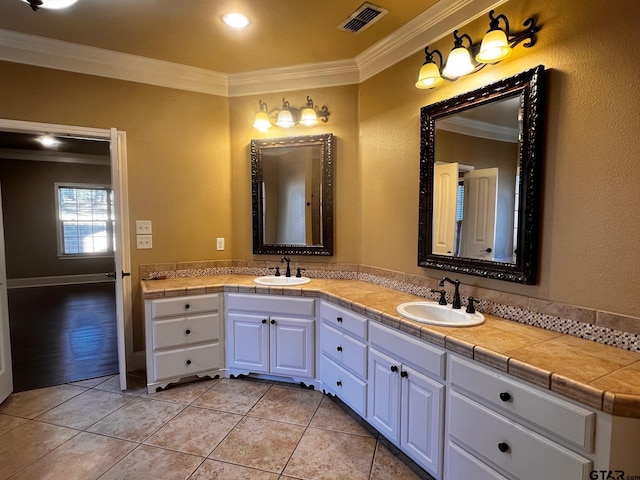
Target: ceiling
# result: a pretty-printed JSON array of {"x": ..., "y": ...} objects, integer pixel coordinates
[{"x": 190, "y": 32}]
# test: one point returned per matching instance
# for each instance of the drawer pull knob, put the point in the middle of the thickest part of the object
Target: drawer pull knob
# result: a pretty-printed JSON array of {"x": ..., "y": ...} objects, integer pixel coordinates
[
  {"x": 339, "y": 383},
  {"x": 503, "y": 447},
  {"x": 187, "y": 306},
  {"x": 394, "y": 369},
  {"x": 339, "y": 348},
  {"x": 505, "y": 396},
  {"x": 187, "y": 331},
  {"x": 264, "y": 320},
  {"x": 339, "y": 319},
  {"x": 273, "y": 322},
  {"x": 404, "y": 374},
  {"x": 188, "y": 362}
]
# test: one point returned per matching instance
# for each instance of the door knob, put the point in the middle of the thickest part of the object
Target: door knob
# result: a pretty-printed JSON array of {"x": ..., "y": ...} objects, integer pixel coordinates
[
  {"x": 505, "y": 396},
  {"x": 339, "y": 348},
  {"x": 187, "y": 331},
  {"x": 394, "y": 369},
  {"x": 273, "y": 322},
  {"x": 404, "y": 374},
  {"x": 264, "y": 320},
  {"x": 503, "y": 447}
]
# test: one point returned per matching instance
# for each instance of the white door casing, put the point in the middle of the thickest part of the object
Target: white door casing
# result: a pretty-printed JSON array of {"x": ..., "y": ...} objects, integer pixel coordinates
[{"x": 6, "y": 375}]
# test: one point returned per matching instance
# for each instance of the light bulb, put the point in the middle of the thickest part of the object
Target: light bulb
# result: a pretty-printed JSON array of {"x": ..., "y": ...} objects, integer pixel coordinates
[
  {"x": 285, "y": 119},
  {"x": 458, "y": 63},
  {"x": 429, "y": 76},
  {"x": 494, "y": 48},
  {"x": 55, "y": 4},
  {"x": 308, "y": 117},
  {"x": 262, "y": 122}
]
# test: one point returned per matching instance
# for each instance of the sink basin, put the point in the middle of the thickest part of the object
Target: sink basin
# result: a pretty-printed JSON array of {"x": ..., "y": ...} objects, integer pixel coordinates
[
  {"x": 273, "y": 281},
  {"x": 436, "y": 314}
]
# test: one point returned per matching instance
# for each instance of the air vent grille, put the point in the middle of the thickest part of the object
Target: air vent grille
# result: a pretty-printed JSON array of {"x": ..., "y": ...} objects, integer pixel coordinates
[{"x": 362, "y": 18}]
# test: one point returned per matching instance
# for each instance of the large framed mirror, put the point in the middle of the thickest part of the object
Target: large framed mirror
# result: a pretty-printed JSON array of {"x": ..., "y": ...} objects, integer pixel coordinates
[
  {"x": 480, "y": 171},
  {"x": 292, "y": 195}
]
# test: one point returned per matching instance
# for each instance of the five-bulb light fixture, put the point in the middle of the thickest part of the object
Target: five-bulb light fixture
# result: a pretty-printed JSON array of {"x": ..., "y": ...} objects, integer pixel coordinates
[
  {"x": 308, "y": 115},
  {"x": 496, "y": 45}
]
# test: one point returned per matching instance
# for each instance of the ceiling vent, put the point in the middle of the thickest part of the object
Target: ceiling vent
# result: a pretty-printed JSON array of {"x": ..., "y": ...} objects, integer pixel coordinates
[{"x": 362, "y": 18}]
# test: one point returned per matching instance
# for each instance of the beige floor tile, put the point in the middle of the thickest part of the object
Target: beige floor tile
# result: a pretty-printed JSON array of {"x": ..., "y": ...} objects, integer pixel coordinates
[
  {"x": 233, "y": 396},
  {"x": 214, "y": 470},
  {"x": 28, "y": 442},
  {"x": 137, "y": 419},
  {"x": 387, "y": 466},
  {"x": 184, "y": 393},
  {"x": 151, "y": 463},
  {"x": 195, "y": 430},
  {"x": 8, "y": 422},
  {"x": 330, "y": 416},
  {"x": 259, "y": 443},
  {"x": 327, "y": 455},
  {"x": 290, "y": 405},
  {"x": 32, "y": 403},
  {"x": 86, "y": 409},
  {"x": 84, "y": 457},
  {"x": 136, "y": 384}
]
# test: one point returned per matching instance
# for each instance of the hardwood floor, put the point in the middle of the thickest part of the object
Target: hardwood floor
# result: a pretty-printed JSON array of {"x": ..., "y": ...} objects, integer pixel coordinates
[{"x": 62, "y": 334}]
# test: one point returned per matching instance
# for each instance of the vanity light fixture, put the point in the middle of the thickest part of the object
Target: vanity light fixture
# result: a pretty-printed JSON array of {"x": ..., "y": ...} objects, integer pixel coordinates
[
  {"x": 496, "y": 45},
  {"x": 236, "y": 20},
  {"x": 308, "y": 115},
  {"x": 50, "y": 4}
]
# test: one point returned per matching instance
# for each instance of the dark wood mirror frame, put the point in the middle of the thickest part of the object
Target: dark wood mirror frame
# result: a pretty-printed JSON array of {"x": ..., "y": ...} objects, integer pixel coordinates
[
  {"x": 326, "y": 144},
  {"x": 530, "y": 86}
]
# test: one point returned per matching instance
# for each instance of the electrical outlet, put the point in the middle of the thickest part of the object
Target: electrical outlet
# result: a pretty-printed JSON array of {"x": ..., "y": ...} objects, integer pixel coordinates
[
  {"x": 143, "y": 227},
  {"x": 144, "y": 242},
  {"x": 220, "y": 243}
]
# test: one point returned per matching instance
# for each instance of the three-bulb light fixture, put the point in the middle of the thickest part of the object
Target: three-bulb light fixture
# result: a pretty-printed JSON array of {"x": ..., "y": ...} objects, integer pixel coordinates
[
  {"x": 308, "y": 115},
  {"x": 496, "y": 45}
]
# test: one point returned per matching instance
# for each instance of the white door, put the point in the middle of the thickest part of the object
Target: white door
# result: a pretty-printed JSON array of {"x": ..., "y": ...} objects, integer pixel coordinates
[
  {"x": 479, "y": 219},
  {"x": 383, "y": 409},
  {"x": 291, "y": 346},
  {"x": 6, "y": 376},
  {"x": 445, "y": 188}
]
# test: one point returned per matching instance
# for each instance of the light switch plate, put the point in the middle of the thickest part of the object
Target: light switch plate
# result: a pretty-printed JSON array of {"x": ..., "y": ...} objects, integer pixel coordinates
[
  {"x": 143, "y": 227},
  {"x": 144, "y": 241},
  {"x": 220, "y": 243}
]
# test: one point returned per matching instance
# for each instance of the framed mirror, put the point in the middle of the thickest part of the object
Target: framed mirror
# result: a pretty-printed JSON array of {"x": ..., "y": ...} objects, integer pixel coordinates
[
  {"x": 480, "y": 170},
  {"x": 292, "y": 195}
]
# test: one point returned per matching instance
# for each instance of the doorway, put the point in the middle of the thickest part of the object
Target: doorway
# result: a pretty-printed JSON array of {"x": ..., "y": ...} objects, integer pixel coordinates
[{"x": 67, "y": 318}]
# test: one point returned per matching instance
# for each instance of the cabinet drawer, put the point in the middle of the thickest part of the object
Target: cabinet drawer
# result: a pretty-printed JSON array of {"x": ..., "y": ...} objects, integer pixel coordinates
[
  {"x": 271, "y": 304},
  {"x": 167, "y": 307},
  {"x": 344, "y": 349},
  {"x": 345, "y": 320},
  {"x": 175, "y": 332},
  {"x": 413, "y": 351},
  {"x": 512, "y": 448},
  {"x": 347, "y": 387},
  {"x": 187, "y": 361},
  {"x": 461, "y": 464},
  {"x": 554, "y": 415}
]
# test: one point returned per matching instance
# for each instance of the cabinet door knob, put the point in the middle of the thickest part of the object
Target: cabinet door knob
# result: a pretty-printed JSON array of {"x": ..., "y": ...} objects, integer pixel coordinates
[
  {"x": 187, "y": 331},
  {"x": 394, "y": 369},
  {"x": 264, "y": 320},
  {"x": 339, "y": 319},
  {"x": 505, "y": 396},
  {"x": 339, "y": 383},
  {"x": 187, "y": 306},
  {"x": 404, "y": 374},
  {"x": 339, "y": 348},
  {"x": 188, "y": 362},
  {"x": 503, "y": 447},
  {"x": 273, "y": 322}
]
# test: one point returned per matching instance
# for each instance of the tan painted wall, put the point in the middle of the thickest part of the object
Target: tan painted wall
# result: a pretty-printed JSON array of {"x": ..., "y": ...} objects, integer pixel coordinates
[{"x": 590, "y": 253}]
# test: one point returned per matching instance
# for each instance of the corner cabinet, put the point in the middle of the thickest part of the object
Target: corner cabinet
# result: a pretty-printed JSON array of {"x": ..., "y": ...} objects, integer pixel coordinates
[
  {"x": 183, "y": 338},
  {"x": 406, "y": 394},
  {"x": 269, "y": 334}
]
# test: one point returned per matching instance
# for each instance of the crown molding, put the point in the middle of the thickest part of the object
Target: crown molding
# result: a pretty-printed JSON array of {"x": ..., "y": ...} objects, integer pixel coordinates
[
  {"x": 426, "y": 28},
  {"x": 478, "y": 128}
]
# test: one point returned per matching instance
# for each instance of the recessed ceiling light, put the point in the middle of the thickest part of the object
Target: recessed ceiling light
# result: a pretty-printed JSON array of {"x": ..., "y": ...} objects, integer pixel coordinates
[
  {"x": 53, "y": 4},
  {"x": 235, "y": 20}
]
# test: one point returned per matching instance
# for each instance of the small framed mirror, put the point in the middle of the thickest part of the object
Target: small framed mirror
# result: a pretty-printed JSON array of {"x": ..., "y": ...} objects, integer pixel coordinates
[
  {"x": 292, "y": 195},
  {"x": 480, "y": 170}
]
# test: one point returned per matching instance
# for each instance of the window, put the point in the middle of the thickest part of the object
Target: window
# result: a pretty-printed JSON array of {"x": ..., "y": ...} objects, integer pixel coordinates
[{"x": 85, "y": 219}]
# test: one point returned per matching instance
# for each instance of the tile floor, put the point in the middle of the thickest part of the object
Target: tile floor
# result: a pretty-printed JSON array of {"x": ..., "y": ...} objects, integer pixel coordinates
[{"x": 211, "y": 429}]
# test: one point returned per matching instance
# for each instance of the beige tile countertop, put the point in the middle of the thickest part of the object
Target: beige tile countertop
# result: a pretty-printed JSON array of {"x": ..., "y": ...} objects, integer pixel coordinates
[{"x": 601, "y": 376}]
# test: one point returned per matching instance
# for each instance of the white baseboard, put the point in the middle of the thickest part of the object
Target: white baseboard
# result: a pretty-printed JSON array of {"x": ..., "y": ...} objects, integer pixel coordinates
[{"x": 57, "y": 280}]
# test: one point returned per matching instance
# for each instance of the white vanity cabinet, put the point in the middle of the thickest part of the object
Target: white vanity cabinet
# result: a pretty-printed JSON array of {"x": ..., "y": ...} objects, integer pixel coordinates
[
  {"x": 406, "y": 394},
  {"x": 343, "y": 355},
  {"x": 183, "y": 338},
  {"x": 499, "y": 427},
  {"x": 270, "y": 334}
]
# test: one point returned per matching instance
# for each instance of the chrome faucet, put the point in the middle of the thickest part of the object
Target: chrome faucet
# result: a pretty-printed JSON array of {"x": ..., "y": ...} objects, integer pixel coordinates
[
  {"x": 288, "y": 272},
  {"x": 456, "y": 293}
]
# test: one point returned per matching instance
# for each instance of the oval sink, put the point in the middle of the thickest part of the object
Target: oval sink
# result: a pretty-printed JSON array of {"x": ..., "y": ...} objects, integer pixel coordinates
[
  {"x": 272, "y": 280},
  {"x": 436, "y": 314}
]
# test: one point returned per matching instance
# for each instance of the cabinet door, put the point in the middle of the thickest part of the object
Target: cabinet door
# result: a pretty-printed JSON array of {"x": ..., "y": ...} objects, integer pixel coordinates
[
  {"x": 383, "y": 409},
  {"x": 421, "y": 426},
  {"x": 248, "y": 347},
  {"x": 292, "y": 343}
]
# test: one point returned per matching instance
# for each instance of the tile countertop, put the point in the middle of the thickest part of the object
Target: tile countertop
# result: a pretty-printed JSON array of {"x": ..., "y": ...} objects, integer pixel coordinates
[{"x": 600, "y": 376}]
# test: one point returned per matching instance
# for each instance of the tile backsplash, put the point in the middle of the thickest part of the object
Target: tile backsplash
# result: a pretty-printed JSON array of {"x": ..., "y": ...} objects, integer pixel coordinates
[{"x": 603, "y": 327}]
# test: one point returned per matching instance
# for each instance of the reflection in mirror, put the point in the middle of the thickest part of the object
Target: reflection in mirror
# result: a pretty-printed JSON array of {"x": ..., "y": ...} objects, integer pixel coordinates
[
  {"x": 479, "y": 176},
  {"x": 292, "y": 192}
]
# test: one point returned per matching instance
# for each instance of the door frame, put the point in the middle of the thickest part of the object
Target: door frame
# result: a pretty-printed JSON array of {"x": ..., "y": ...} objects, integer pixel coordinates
[{"x": 122, "y": 256}]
